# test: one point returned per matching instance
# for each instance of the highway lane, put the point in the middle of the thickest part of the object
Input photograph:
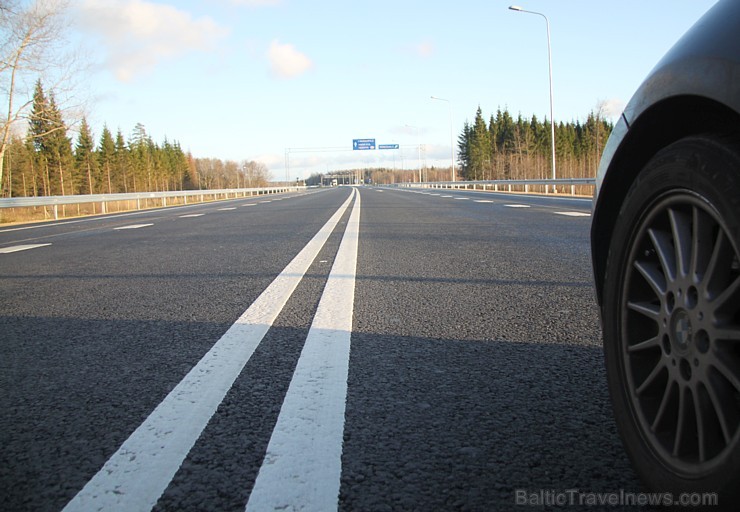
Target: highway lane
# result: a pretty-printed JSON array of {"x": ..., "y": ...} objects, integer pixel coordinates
[{"x": 474, "y": 371}]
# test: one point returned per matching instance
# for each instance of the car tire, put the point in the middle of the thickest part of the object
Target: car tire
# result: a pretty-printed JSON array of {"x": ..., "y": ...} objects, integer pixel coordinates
[{"x": 671, "y": 319}]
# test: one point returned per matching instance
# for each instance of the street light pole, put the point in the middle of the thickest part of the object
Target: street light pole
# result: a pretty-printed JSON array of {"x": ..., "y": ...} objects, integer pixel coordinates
[
  {"x": 549, "y": 63},
  {"x": 452, "y": 147}
]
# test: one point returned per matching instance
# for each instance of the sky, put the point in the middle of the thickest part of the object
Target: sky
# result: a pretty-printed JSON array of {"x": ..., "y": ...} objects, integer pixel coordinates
[{"x": 265, "y": 79}]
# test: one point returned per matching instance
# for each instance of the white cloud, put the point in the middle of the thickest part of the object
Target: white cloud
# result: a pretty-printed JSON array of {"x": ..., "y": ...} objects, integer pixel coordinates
[
  {"x": 613, "y": 107},
  {"x": 138, "y": 34},
  {"x": 287, "y": 62}
]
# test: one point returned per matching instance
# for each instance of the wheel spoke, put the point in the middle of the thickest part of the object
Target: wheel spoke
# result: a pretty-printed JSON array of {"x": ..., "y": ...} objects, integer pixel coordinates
[
  {"x": 719, "y": 411},
  {"x": 680, "y": 420},
  {"x": 643, "y": 345},
  {"x": 653, "y": 276},
  {"x": 700, "y": 433},
  {"x": 701, "y": 251},
  {"x": 731, "y": 292},
  {"x": 666, "y": 254},
  {"x": 719, "y": 265},
  {"x": 650, "y": 378},
  {"x": 681, "y": 230},
  {"x": 663, "y": 405},
  {"x": 726, "y": 334},
  {"x": 647, "y": 309},
  {"x": 729, "y": 371}
]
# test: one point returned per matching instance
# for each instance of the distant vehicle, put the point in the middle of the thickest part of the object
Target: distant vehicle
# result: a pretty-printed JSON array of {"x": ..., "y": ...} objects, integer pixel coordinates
[
  {"x": 665, "y": 246},
  {"x": 334, "y": 182}
]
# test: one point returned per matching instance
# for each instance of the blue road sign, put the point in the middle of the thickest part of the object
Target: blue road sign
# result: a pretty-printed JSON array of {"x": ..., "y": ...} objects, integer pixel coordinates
[
  {"x": 388, "y": 146},
  {"x": 360, "y": 144}
]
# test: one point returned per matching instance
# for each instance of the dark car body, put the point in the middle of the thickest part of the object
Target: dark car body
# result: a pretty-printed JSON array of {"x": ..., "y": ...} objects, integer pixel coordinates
[
  {"x": 665, "y": 241},
  {"x": 695, "y": 88}
]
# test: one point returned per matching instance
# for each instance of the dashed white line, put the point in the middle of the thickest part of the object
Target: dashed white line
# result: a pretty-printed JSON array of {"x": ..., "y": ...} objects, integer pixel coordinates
[
  {"x": 462, "y": 198},
  {"x": 191, "y": 215},
  {"x": 303, "y": 464},
  {"x": 138, "y": 473},
  {"x": 227, "y": 209},
  {"x": 517, "y": 205},
  {"x": 483, "y": 201},
  {"x": 573, "y": 214},
  {"x": 18, "y": 248},
  {"x": 133, "y": 226}
]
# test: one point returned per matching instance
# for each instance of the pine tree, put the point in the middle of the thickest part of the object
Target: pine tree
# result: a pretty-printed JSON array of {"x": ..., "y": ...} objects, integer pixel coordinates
[
  {"x": 106, "y": 156},
  {"x": 85, "y": 162},
  {"x": 480, "y": 147}
]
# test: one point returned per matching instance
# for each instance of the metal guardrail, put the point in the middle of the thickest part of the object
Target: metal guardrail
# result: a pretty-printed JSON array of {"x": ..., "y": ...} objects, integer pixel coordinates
[
  {"x": 506, "y": 185},
  {"x": 104, "y": 199}
]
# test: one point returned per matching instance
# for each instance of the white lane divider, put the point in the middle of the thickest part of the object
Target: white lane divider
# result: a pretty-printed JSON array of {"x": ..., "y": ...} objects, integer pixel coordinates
[
  {"x": 132, "y": 226},
  {"x": 303, "y": 464},
  {"x": 228, "y": 208},
  {"x": 191, "y": 215},
  {"x": 483, "y": 201},
  {"x": 139, "y": 472},
  {"x": 18, "y": 248},
  {"x": 573, "y": 214},
  {"x": 517, "y": 205}
]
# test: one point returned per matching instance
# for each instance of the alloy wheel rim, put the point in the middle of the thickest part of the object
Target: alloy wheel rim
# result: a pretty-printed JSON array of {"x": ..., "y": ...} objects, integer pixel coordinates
[{"x": 680, "y": 333}]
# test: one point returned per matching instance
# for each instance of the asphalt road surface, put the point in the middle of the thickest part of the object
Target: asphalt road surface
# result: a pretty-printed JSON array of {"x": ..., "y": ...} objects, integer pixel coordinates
[{"x": 354, "y": 349}]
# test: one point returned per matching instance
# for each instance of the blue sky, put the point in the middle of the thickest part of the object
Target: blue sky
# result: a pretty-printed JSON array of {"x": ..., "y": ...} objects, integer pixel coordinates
[{"x": 248, "y": 79}]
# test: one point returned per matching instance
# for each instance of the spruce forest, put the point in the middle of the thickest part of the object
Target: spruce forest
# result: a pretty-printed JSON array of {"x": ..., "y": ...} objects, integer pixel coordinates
[
  {"x": 47, "y": 162},
  {"x": 506, "y": 148}
]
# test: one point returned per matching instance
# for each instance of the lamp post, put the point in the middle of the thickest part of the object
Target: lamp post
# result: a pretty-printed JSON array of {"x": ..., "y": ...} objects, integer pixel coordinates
[
  {"x": 549, "y": 62},
  {"x": 452, "y": 147}
]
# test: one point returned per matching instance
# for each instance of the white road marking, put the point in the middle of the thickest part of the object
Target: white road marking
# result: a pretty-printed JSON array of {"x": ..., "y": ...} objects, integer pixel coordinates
[
  {"x": 445, "y": 196},
  {"x": 133, "y": 226},
  {"x": 227, "y": 209},
  {"x": 303, "y": 464},
  {"x": 249, "y": 204},
  {"x": 483, "y": 201},
  {"x": 265, "y": 201},
  {"x": 138, "y": 473},
  {"x": 573, "y": 214},
  {"x": 18, "y": 248},
  {"x": 191, "y": 215},
  {"x": 462, "y": 198},
  {"x": 517, "y": 205}
]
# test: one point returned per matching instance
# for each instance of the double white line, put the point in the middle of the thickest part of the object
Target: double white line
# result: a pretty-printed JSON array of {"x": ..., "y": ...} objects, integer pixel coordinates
[{"x": 302, "y": 466}]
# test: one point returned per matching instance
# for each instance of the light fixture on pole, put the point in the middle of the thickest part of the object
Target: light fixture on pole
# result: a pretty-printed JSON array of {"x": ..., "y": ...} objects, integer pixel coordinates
[
  {"x": 549, "y": 62},
  {"x": 452, "y": 147}
]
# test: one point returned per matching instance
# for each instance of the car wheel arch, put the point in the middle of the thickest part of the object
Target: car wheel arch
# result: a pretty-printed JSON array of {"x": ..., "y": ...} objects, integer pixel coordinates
[{"x": 655, "y": 128}]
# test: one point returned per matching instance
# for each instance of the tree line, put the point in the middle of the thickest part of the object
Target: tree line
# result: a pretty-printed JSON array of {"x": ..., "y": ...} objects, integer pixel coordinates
[
  {"x": 508, "y": 148},
  {"x": 46, "y": 161}
]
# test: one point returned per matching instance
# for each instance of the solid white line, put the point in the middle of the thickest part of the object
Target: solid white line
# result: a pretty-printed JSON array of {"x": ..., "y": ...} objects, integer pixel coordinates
[
  {"x": 303, "y": 464},
  {"x": 18, "y": 248},
  {"x": 133, "y": 226},
  {"x": 573, "y": 214},
  {"x": 138, "y": 473}
]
